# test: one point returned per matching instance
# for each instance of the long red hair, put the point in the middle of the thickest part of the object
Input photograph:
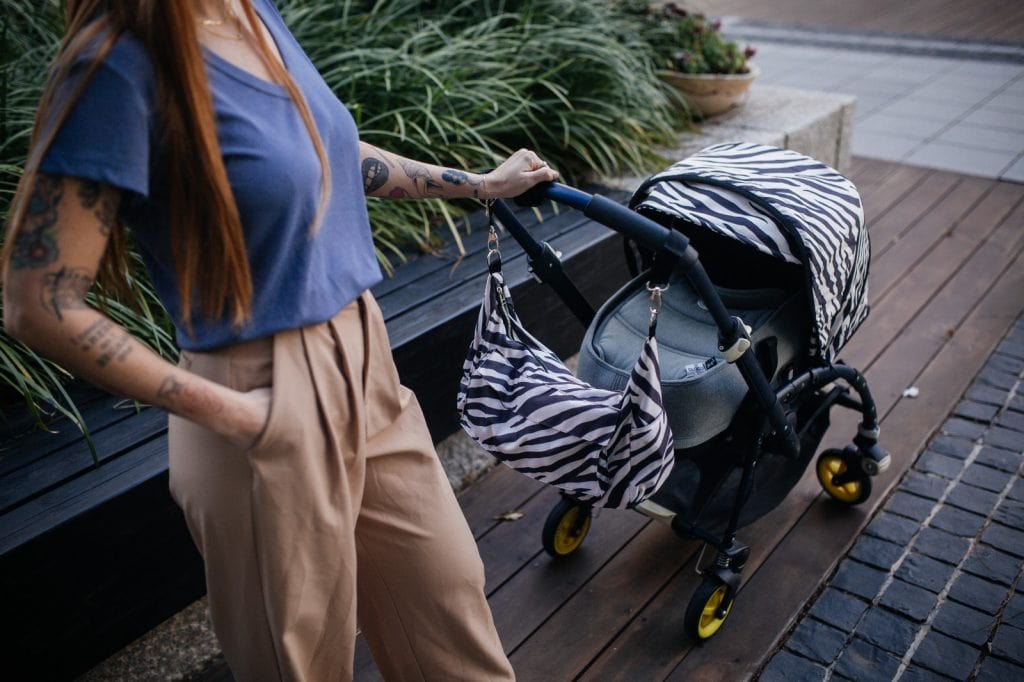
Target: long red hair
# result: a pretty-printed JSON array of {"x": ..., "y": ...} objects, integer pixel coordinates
[{"x": 209, "y": 252}]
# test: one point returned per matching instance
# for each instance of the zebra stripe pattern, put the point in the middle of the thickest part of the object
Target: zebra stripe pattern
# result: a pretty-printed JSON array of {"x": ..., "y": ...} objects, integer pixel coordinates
[
  {"x": 521, "y": 404},
  {"x": 783, "y": 204}
]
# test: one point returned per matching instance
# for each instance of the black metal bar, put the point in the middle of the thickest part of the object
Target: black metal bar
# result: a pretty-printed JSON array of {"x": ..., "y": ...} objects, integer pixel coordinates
[
  {"x": 821, "y": 376},
  {"x": 545, "y": 264}
]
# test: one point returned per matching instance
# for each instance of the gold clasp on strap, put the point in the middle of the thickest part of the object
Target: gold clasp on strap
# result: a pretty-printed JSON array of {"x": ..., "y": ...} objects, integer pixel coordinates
[
  {"x": 493, "y": 254},
  {"x": 655, "y": 306}
]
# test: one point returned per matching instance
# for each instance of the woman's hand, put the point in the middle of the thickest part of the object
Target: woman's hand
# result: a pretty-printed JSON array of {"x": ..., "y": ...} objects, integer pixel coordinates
[
  {"x": 237, "y": 416},
  {"x": 516, "y": 174},
  {"x": 249, "y": 415}
]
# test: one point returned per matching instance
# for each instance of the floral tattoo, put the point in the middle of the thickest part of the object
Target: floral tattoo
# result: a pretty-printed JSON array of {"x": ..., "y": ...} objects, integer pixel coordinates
[{"x": 35, "y": 244}]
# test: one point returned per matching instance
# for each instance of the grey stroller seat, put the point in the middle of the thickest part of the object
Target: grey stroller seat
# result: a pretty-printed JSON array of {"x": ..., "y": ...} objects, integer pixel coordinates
[{"x": 701, "y": 391}]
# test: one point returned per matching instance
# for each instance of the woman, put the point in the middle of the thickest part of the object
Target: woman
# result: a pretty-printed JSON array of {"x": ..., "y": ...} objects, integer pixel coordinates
[{"x": 304, "y": 469}]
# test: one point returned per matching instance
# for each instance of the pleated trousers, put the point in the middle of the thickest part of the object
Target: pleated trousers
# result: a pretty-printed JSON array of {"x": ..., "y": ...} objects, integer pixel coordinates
[{"x": 340, "y": 514}]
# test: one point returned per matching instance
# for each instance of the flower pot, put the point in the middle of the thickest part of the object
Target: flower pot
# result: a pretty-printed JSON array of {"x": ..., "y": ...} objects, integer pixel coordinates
[{"x": 708, "y": 94}]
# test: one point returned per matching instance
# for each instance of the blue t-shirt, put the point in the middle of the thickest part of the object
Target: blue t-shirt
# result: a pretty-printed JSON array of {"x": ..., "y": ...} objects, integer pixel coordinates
[{"x": 112, "y": 136}]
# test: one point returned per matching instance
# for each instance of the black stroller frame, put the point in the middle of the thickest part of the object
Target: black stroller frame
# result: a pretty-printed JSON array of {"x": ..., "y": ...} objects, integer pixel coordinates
[{"x": 769, "y": 415}]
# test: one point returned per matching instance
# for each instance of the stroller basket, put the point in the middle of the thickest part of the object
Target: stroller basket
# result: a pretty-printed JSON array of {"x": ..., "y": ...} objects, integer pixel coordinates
[{"x": 751, "y": 322}]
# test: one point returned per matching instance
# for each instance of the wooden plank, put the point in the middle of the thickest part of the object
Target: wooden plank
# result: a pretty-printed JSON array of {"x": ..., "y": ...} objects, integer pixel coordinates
[
  {"x": 884, "y": 185},
  {"x": 99, "y": 410},
  {"x": 525, "y": 601},
  {"x": 811, "y": 550},
  {"x": 29, "y": 482},
  {"x": 513, "y": 544},
  {"x": 496, "y": 492},
  {"x": 97, "y": 580},
  {"x": 933, "y": 194},
  {"x": 897, "y": 306},
  {"x": 91, "y": 489},
  {"x": 944, "y": 314},
  {"x": 652, "y": 643},
  {"x": 582, "y": 626}
]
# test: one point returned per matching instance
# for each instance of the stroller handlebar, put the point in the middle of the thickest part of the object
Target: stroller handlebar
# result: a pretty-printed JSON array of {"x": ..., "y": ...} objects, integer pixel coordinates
[{"x": 605, "y": 211}]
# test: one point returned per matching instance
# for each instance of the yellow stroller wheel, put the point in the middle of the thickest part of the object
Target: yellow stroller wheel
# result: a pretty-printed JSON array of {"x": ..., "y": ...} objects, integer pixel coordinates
[
  {"x": 708, "y": 608},
  {"x": 842, "y": 478},
  {"x": 566, "y": 527}
]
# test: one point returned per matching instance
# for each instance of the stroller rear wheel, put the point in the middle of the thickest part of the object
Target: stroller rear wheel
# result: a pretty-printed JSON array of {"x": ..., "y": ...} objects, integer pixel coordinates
[
  {"x": 842, "y": 478},
  {"x": 708, "y": 608},
  {"x": 566, "y": 527}
]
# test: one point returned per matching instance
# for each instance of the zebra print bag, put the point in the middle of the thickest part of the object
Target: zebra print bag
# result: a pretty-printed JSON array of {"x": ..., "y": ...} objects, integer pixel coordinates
[{"x": 522, "y": 405}]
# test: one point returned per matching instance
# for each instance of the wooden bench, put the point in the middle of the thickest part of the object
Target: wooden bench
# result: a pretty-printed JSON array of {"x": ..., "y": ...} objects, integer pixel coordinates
[{"x": 94, "y": 555}]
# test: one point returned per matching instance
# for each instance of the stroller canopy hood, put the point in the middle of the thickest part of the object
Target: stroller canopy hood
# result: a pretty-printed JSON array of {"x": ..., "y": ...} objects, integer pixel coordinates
[{"x": 786, "y": 205}]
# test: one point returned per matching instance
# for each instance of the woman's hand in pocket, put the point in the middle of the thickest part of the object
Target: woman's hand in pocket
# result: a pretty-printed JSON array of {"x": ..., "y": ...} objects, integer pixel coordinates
[
  {"x": 251, "y": 412},
  {"x": 238, "y": 416}
]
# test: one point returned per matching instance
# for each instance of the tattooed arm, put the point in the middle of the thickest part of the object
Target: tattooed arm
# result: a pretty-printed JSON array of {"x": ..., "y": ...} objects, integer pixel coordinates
[
  {"x": 395, "y": 177},
  {"x": 54, "y": 259}
]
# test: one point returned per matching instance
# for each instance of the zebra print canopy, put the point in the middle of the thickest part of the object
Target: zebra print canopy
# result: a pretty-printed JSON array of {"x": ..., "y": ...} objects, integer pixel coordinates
[
  {"x": 786, "y": 205},
  {"x": 521, "y": 404}
]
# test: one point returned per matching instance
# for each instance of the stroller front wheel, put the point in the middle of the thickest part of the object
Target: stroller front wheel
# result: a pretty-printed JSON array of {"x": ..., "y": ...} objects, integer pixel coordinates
[
  {"x": 566, "y": 527},
  {"x": 708, "y": 608},
  {"x": 841, "y": 478}
]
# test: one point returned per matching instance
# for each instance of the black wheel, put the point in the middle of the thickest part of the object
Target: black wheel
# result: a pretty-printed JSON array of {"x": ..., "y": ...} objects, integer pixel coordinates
[
  {"x": 842, "y": 478},
  {"x": 708, "y": 608},
  {"x": 566, "y": 527}
]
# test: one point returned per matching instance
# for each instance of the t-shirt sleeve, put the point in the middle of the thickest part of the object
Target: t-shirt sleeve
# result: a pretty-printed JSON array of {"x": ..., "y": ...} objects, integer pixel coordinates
[{"x": 106, "y": 136}]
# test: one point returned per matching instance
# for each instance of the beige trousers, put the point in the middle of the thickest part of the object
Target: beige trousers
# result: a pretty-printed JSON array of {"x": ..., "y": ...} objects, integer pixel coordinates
[{"x": 339, "y": 512}]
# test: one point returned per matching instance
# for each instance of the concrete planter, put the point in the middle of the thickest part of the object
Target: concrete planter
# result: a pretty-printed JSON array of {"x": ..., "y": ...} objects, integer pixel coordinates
[{"x": 709, "y": 94}]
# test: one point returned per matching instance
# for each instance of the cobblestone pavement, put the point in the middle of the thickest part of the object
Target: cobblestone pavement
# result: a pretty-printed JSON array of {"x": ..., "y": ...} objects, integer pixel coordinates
[{"x": 933, "y": 588}]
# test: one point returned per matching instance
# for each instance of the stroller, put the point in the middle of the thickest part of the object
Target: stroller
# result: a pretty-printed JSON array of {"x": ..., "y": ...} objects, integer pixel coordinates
[{"x": 749, "y": 331}]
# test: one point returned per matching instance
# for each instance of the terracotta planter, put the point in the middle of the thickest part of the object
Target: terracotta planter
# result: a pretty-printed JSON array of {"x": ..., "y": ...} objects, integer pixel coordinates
[{"x": 708, "y": 94}]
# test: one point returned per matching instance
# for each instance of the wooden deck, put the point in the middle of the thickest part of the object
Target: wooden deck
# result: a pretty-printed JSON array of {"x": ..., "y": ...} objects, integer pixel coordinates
[
  {"x": 978, "y": 20},
  {"x": 946, "y": 283}
]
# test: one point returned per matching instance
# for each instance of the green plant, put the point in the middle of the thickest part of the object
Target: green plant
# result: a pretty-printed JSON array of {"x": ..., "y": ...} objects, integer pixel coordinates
[
  {"x": 686, "y": 41},
  {"x": 466, "y": 83}
]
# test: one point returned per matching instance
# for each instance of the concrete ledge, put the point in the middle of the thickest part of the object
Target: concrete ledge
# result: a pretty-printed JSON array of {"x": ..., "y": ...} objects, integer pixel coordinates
[
  {"x": 813, "y": 123},
  {"x": 817, "y": 124}
]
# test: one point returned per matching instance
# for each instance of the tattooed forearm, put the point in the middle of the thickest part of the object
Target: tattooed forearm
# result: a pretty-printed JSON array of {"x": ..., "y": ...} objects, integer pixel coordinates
[
  {"x": 188, "y": 398},
  {"x": 170, "y": 389},
  {"x": 375, "y": 174},
  {"x": 457, "y": 178},
  {"x": 421, "y": 178},
  {"x": 35, "y": 244},
  {"x": 104, "y": 337},
  {"x": 65, "y": 290},
  {"x": 103, "y": 202}
]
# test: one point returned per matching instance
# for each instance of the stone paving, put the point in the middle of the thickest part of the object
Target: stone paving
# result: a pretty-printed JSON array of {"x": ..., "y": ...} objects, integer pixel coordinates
[
  {"x": 954, "y": 105},
  {"x": 934, "y": 587}
]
